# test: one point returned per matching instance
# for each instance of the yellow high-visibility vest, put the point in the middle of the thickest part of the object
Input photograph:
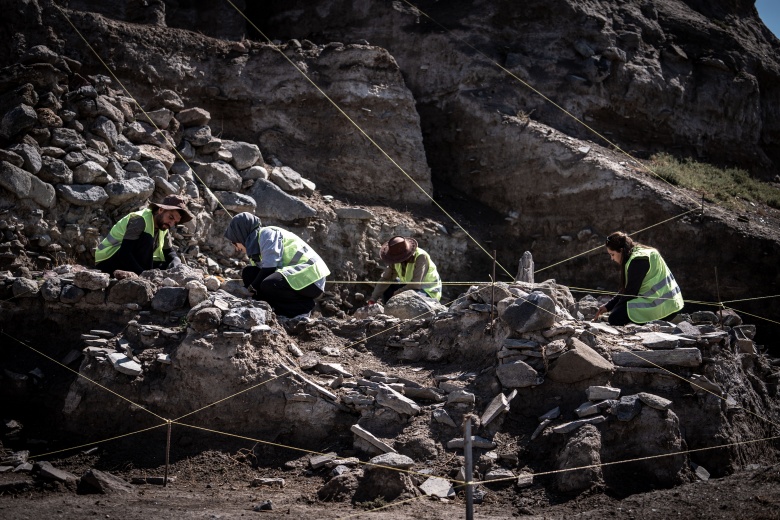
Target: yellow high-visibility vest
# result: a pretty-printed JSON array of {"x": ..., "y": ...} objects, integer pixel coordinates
[
  {"x": 659, "y": 295},
  {"x": 431, "y": 283}
]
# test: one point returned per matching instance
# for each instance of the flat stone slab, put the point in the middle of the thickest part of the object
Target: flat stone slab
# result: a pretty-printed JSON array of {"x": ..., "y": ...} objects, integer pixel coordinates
[
  {"x": 367, "y": 436},
  {"x": 124, "y": 364},
  {"x": 571, "y": 426},
  {"x": 655, "y": 401},
  {"x": 599, "y": 393},
  {"x": 603, "y": 327},
  {"x": 683, "y": 357},
  {"x": 476, "y": 442},
  {"x": 499, "y": 474},
  {"x": 659, "y": 340},
  {"x": 438, "y": 487}
]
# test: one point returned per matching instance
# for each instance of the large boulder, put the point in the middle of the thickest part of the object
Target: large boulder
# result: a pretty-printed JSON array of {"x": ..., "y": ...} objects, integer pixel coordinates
[
  {"x": 529, "y": 313},
  {"x": 579, "y": 363},
  {"x": 411, "y": 304},
  {"x": 581, "y": 451}
]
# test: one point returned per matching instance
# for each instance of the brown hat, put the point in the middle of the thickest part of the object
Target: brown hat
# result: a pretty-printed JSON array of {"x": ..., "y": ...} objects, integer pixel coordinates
[
  {"x": 176, "y": 203},
  {"x": 398, "y": 249}
]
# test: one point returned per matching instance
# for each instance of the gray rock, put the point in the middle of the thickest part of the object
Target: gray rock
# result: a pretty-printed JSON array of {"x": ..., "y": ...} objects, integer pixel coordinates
[
  {"x": 517, "y": 374},
  {"x": 442, "y": 417},
  {"x": 599, "y": 393},
  {"x": 169, "y": 99},
  {"x": 83, "y": 194},
  {"x": 579, "y": 363},
  {"x": 124, "y": 364},
  {"x": 581, "y": 451},
  {"x": 204, "y": 319},
  {"x": 286, "y": 178},
  {"x": 409, "y": 305},
  {"x": 72, "y": 294},
  {"x": 160, "y": 118},
  {"x": 272, "y": 202},
  {"x": 219, "y": 176},
  {"x": 659, "y": 340},
  {"x": 90, "y": 172},
  {"x": 684, "y": 357},
  {"x": 476, "y": 442},
  {"x": 25, "y": 288},
  {"x": 198, "y": 136},
  {"x": 245, "y": 317},
  {"x": 105, "y": 483},
  {"x": 30, "y": 155},
  {"x": 533, "y": 312},
  {"x": 390, "y": 460},
  {"x": 49, "y": 472},
  {"x": 245, "y": 155},
  {"x": 55, "y": 171},
  {"x": 371, "y": 439},
  {"x": 24, "y": 185},
  {"x": 168, "y": 299},
  {"x": 655, "y": 401},
  {"x": 255, "y": 172},
  {"x": 136, "y": 189},
  {"x": 105, "y": 128},
  {"x": 235, "y": 202},
  {"x": 438, "y": 487},
  {"x": 18, "y": 119},
  {"x": 91, "y": 279},
  {"x": 552, "y": 414},
  {"x": 135, "y": 290},
  {"x": 573, "y": 425},
  {"x": 389, "y": 398},
  {"x": 67, "y": 139},
  {"x": 502, "y": 474},
  {"x": 193, "y": 117},
  {"x": 50, "y": 290},
  {"x": 628, "y": 407}
]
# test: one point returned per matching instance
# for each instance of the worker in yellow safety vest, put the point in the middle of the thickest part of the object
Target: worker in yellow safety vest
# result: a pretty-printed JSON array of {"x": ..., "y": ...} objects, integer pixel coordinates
[
  {"x": 649, "y": 291},
  {"x": 409, "y": 267},
  {"x": 140, "y": 240},
  {"x": 284, "y": 270}
]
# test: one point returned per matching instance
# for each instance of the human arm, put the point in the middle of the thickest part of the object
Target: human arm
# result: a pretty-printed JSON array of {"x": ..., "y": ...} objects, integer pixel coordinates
[
  {"x": 387, "y": 276},
  {"x": 172, "y": 258},
  {"x": 637, "y": 270}
]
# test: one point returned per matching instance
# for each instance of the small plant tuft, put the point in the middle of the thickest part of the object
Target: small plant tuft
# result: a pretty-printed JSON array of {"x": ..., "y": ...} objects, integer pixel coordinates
[{"x": 728, "y": 187}]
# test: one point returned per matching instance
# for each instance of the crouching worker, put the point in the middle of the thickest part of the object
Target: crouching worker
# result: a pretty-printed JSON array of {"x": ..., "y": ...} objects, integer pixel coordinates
[
  {"x": 140, "y": 240},
  {"x": 410, "y": 267},
  {"x": 284, "y": 270},
  {"x": 648, "y": 288}
]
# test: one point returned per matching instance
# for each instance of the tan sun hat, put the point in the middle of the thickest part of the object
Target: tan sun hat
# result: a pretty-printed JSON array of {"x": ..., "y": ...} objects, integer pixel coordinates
[
  {"x": 175, "y": 203},
  {"x": 398, "y": 249}
]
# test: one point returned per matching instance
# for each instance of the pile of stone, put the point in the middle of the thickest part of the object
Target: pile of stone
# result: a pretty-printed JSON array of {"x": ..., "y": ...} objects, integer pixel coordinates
[{"x": 79, "y": 159}]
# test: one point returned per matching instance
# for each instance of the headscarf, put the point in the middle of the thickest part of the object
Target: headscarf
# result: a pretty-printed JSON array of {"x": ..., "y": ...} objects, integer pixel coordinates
[{"x": 244, "y": 229}]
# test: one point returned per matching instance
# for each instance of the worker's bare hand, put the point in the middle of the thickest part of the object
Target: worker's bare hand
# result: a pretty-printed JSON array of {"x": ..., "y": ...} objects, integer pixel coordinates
[{"x": 601, "y": 311}]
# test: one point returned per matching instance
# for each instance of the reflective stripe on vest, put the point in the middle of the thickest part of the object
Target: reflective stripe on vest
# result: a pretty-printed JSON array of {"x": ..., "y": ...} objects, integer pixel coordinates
[
  {"x": 659, "y": 295},
  {"x": 110, "y": 245},
  {"x": 301, "y": 265},
  {"x": 431, "y": 283}
]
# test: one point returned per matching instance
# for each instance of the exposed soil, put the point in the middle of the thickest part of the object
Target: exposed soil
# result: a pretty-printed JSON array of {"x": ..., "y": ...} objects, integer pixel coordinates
[{"x": 217, "y": 485}]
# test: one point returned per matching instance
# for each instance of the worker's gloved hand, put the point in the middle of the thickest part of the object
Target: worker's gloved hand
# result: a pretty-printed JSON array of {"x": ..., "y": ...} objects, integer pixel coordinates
[
  {"x": 124, "y": 275},
  {"x": 371, "y": 302}
]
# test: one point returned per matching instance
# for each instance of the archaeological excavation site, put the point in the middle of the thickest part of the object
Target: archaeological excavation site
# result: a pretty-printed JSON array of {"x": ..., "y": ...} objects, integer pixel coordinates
[{"x": 506, "y": 142}]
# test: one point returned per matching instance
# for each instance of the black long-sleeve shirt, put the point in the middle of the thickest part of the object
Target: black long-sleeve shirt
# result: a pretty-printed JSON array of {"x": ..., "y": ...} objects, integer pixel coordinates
[{"x": 637, "y": 270}]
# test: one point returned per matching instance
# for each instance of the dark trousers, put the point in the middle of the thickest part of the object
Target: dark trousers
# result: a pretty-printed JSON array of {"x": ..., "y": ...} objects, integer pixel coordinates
[
  {"x": 275, "y": 290},
  {"x": 390, "y": 291},
  {"x": 619, "y": 315}
]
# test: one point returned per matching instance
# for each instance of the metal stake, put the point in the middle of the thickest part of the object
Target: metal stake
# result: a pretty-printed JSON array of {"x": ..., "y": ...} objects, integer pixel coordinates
[
  {"x": 717, "y": 287},
  {"x": 469, "y": 470},
  {"x": 167, "y": 454},
  {"x": 493, "y": 294}
]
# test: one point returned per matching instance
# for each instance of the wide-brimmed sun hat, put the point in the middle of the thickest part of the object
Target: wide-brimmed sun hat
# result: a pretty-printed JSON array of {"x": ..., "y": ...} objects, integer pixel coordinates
[
  {"x": 175, "y": 203},
  {"x": 398, "y": 249}
]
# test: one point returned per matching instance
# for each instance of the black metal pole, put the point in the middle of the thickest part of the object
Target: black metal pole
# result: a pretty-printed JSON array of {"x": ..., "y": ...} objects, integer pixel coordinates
[{"x": 469, "y": 471}]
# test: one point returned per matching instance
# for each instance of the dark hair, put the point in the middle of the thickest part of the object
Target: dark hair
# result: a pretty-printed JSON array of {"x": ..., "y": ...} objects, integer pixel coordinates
[{"x": 619, "y": 241}]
